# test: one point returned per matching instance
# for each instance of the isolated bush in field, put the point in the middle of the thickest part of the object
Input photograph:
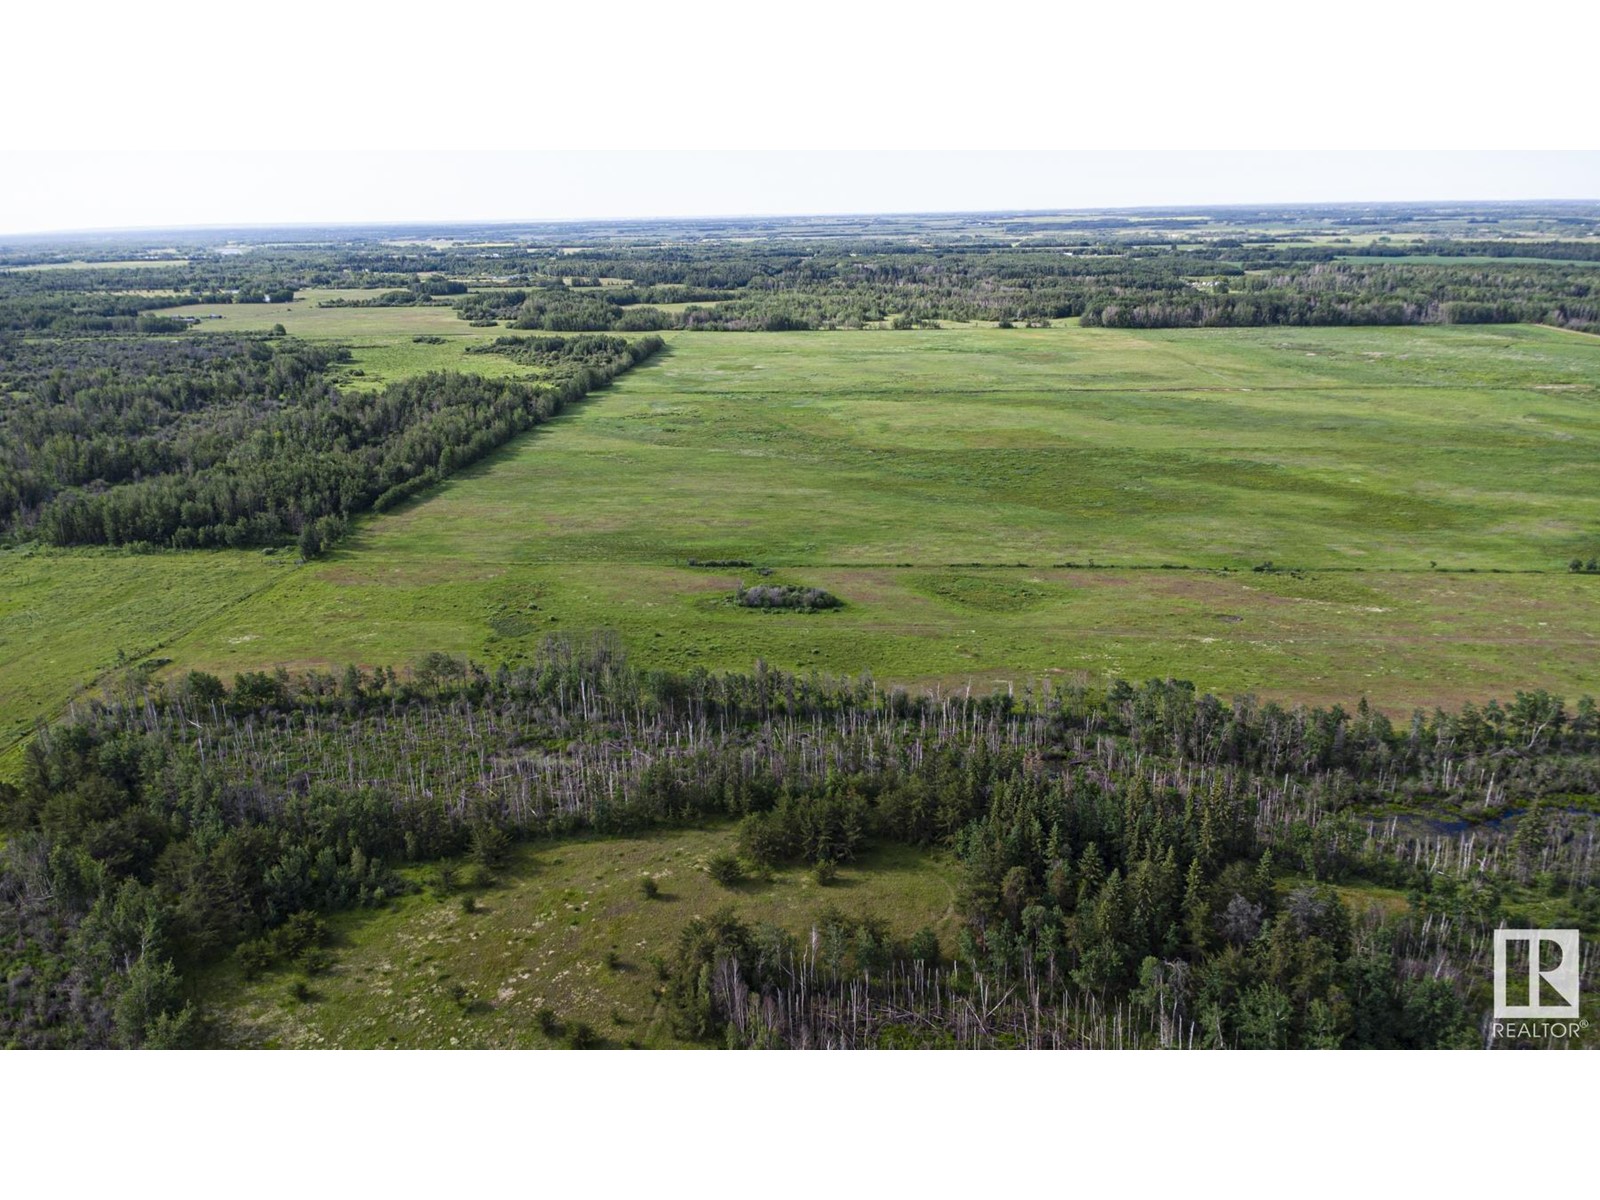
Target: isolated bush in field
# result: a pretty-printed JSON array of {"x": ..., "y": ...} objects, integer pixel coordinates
[
  {"x": 489, "y": 845},
  {"x": 725, "y": 869},
  {"x": 787, "y": 596},
  {"x": 315, "y": 961},
  {"x": 767, "y": 838},
  {"x": 649, "y": 888},
  {"x": 300, "y": 932},
  {"x": 583, "y": 1037},
  {"x": 299, "y": 939},
  {"x": 469, "y": 903},
  {"x": 826, "y": 872},
  {"x": 253, "y": 958},
  {"x": 547, "y": 1021},
  {"x": 477, "y": 876}
]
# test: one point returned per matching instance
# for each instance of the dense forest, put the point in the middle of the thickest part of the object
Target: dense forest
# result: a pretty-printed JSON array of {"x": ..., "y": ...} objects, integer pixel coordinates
[
  {"x": 1141, "y": 866},
  {"x": 243, "y": 441}
]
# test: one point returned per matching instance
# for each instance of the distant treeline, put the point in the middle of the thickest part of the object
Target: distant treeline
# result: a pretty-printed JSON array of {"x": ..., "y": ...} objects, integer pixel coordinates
[
  {"x": 423, "y": 291},
  {"x": 74, "y": 302},
  {"x": 221, "y": 441},
  {"x": 93, "y": 313},
  {"x": 1142, "y": 865},
  {"x": 1111, "y": 272},
  {"x": 780, "y": 288},
  {"x": 1388, "y": 294},
  {"x": 1502, "y": 248}
]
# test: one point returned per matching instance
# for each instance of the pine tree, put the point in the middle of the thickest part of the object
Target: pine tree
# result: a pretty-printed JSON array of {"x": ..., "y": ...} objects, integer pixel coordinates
[{"x": 1196, "y": 910}]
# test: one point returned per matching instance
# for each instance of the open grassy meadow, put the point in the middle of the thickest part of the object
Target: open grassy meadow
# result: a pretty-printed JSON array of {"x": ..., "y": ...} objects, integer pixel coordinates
[
  {"x": 566, "y": 927},
  {"x": 382, "y": 341},
  {"x": 999, "y": 505},
  {"x": 1374, "y": 448},
  {"x": 991, "y": 505}
]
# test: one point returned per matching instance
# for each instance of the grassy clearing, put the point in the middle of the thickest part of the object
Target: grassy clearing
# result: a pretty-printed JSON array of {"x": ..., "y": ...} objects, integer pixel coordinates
[
  {"x": 1358, "y": 896},
  {"x": 424, "y": 972},
  {"x": 120, "y": 264},
  {"x": 380, "y": 339}
]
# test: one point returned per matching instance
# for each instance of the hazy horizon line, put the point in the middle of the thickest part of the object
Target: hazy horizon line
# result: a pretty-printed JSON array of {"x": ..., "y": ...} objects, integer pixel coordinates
[{"x": 791, "y": 215}]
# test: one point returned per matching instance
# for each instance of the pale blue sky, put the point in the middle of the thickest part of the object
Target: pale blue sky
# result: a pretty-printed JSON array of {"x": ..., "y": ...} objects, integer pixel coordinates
[{"x": 158, "y": 189}]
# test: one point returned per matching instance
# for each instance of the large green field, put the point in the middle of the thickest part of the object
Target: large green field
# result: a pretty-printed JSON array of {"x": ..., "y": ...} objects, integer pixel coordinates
[
  {"x": 991, "y": 505},
  {"x": 1330, "y": 448}
]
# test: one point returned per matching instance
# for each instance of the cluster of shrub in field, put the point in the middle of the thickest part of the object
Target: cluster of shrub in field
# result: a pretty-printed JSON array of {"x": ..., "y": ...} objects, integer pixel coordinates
[
  {"x": 786, "y": 595},
  {"x": 594, "y": 352}
]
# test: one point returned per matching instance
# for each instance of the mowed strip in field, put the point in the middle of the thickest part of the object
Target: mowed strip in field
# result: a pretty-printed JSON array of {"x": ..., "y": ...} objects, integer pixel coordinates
[
  {"x": 911, "y": 473},
  {"x": 939, "y": 483}
]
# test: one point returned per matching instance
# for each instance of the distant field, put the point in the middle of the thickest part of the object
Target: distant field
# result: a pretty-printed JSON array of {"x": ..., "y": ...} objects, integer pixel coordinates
[
  {"x": 939, "y": 482},
  {"x": 79, "y": 265},
  {"x": 380, "y": 339}
]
